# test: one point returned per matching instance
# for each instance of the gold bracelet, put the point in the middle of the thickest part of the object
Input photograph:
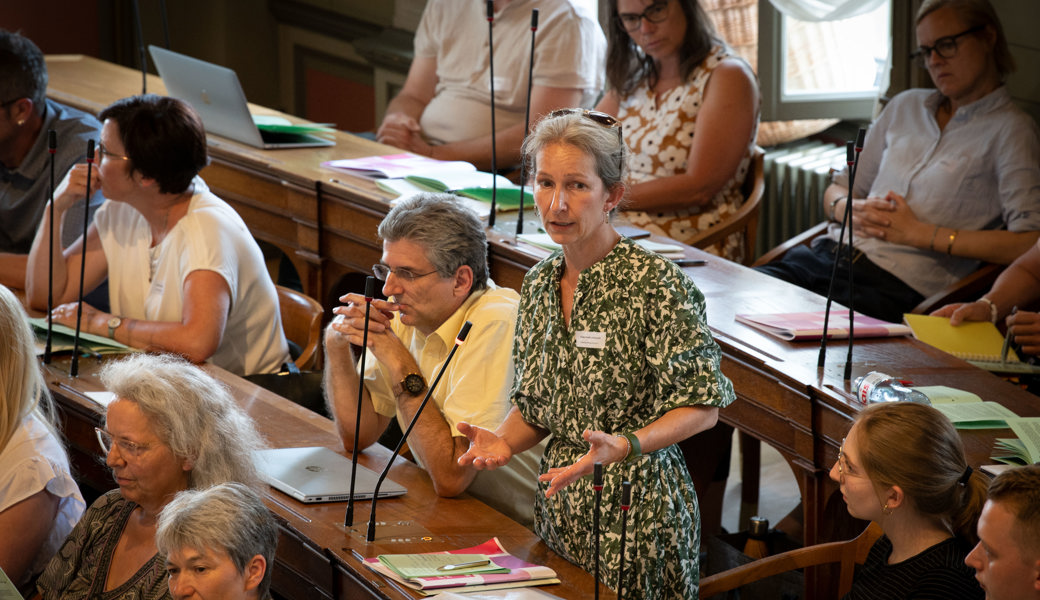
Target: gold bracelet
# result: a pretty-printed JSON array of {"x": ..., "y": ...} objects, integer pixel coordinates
[
  {"x": 931, "y": 244},
  {"x": 949, "y": 246}
]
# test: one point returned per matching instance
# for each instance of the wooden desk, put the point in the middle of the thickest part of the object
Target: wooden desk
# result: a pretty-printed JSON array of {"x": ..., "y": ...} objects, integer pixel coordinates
[
  {"x": 782, "y": 398},
  {"x": 327, "y": 223},
  {"x": 317, "y": 556}
]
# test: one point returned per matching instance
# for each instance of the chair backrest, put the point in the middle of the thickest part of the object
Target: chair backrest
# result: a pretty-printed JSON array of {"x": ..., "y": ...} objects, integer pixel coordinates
[
  {"x": 846, "y": 554},
  {"x": 301, "y": 321},
  {"x": 745, "y": 219}
]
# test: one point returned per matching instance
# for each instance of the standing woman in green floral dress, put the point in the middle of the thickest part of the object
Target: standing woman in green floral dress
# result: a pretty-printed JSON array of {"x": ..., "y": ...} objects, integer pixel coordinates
[{"x": 615, "y": 362}]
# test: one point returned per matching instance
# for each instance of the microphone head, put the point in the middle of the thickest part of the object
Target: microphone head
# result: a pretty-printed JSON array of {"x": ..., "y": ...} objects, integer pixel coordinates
[
  {"x": 534, "y": 18},
  {"x": 597, "y": 475},
  {"x": 626, "y": 494},
  {"x": 850, "y": 153},
  {"x": 90, "y": 150},
  {"x": 491, "y": 10},
  {"x": 463, "y": 332},
  {"x": 52, "y": 140},
  {"x": 860, "y": 136},
  {"x": 370, "y": 288}
]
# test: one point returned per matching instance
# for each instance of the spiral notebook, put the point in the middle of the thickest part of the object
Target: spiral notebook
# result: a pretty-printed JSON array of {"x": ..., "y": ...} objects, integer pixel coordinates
[{"x": 978, "y": 342}]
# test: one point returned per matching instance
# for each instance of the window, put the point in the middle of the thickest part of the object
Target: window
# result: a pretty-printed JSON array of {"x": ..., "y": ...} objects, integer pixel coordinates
[{"x": 822, "y": 69}]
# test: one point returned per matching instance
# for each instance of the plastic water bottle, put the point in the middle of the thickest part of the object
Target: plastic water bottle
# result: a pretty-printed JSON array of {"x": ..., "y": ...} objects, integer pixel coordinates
[{"x": 880, "y": 387}]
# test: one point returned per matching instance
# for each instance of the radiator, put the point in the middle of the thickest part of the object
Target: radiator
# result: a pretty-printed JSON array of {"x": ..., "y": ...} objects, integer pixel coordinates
[{"x": 795, "y": 176}]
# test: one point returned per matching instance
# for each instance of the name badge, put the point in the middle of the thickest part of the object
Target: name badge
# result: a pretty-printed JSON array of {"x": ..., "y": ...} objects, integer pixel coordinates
[{"x": 591, "y": 339}]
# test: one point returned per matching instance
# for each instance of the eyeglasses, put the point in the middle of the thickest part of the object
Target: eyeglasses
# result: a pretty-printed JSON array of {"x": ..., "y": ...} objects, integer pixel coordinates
[
  {"x": 600, "y": 118},
  {"x": 655, "y": 13},
  {"x": 106, "y": 154},
  {"x": 945, "y": 47},
  {"x": 382, "y": 271},
  {"x": 843, "y": 469},
  {"x": 126, "y": 447}
]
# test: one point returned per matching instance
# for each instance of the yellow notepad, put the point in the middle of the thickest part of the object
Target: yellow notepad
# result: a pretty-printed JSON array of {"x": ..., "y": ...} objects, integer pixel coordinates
[{"x": 971, "y": 340}]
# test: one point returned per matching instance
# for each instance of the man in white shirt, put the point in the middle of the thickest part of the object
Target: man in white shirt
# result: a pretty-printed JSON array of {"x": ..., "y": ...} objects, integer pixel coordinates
[
  {"x": 443, "y": 110},
  {"x": 434, "y": 266}
]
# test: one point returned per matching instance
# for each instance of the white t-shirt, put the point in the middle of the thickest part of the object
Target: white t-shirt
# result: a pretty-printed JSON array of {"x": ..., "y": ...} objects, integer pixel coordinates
[
  {"x": 148, "y": 283},
  {"x": 570, "y": 51},
  {"x": 33, "y": 461}
]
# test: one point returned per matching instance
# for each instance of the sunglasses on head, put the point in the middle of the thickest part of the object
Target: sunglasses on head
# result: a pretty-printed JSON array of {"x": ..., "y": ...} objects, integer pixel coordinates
[{"x": 600, "y": 118}]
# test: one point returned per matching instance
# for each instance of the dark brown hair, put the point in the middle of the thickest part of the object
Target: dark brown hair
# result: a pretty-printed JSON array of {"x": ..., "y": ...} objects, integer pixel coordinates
[
  {"x": 627, "y": 66},
  {"x": 164, "y": 139},
  {"x": 1019, "y": 491}
]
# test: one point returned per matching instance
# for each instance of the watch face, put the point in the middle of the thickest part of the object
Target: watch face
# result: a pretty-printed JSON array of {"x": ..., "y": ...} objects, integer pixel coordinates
[
  {"x": 114, "y": 322},
  {"x": 414, "y": 383}
]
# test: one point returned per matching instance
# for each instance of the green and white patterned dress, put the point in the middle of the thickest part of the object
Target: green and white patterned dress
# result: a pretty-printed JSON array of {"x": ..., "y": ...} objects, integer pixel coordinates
[{"x": 656, "y": 354}]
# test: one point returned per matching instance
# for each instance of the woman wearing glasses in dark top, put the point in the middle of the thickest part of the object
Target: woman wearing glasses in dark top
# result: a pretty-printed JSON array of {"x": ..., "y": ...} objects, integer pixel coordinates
[
  {"x": 614, "y": 364},
  {"x": 690, "y": 108},
  {"x": 902, "y": 466},
  {"x": 947, "y": 178},
  {"x": 171, "y": 427}
]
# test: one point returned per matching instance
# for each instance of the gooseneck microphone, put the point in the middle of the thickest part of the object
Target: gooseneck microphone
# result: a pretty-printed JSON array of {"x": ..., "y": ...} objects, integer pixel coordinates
[
  {"x": 527, "y": 126},
  {"x": 860, "y": 136},
  {"x": 597, "y": 486},
  {"x": 491, "y": 72},
  {"x": 370, "y": 291},
  {"x": 459, "y": 339},
  {"x": 852, "y": 150},
  {"x": 626, "y": 503},
  {"x": 140, "y": 47},
  {"x": 165, "y": 23},
  {"x": 74, "y": 369},
  {"x": 52, "y": 148}
]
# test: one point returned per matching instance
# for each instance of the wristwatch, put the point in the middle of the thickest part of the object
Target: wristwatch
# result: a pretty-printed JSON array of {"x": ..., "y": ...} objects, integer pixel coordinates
[
  {"x": 114, "y": 324},
  {"x": 413, "y": 383}
]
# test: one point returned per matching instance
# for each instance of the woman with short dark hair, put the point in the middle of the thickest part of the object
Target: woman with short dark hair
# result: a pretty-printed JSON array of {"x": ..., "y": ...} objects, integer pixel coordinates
[{"x": 184, "y": 273}]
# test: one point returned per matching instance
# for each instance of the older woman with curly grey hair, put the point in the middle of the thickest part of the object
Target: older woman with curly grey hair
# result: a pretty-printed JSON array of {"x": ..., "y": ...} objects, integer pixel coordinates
[{"x": 171, "y": 427}]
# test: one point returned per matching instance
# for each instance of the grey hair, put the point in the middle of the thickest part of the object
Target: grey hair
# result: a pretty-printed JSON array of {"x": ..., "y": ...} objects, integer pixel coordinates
[
  {"x": 192, "y": 413},
  {"x": 228, "y": 516},
  {"x": 976, "y": 13},
  {"x": 600, "y": 142},
  {"x": 449, "y": 232}
]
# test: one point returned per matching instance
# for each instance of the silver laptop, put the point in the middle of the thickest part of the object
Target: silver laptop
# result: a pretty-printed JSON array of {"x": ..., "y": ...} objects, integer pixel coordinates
[
  {"x": 217, "y": 96},
  {"x": 317, "y": 474}
]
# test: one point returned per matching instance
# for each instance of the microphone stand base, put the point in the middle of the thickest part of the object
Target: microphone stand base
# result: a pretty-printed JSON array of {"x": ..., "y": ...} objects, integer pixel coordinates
[{"x": 391, "y": 532}]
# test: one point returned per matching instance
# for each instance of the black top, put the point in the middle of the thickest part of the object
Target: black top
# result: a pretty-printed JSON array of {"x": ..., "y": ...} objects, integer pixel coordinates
[{"x": 938, "y": 573}]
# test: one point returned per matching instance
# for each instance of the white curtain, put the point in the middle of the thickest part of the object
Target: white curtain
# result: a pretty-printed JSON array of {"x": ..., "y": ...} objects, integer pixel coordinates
[{"x": 825, "y": 10}]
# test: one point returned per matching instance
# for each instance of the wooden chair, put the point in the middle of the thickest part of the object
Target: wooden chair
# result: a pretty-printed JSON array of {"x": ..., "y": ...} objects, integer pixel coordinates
[
  {"x": 845, "y": 554},
  {"x": 301, "y": 321},
  {"x": 746, "y": 217},
  {"x": 965, "y": 290}
]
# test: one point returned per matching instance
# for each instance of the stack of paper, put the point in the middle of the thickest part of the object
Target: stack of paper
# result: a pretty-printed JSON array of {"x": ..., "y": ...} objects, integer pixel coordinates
[
  {"x": 403, "y": 175},
  {"x": 801, "y": 326},
  {"x": 63, "y": 340},
  {"x": 503, "y": 571},
  {"x": 1023, "y": 450}
]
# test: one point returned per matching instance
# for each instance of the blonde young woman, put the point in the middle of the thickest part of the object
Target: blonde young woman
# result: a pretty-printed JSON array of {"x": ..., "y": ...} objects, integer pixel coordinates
[
  {"x": 39, "y": 501},
  {"x": 902, "y": 465}
]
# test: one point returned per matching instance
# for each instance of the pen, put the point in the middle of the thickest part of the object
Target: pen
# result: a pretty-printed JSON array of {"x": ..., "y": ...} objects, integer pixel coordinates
[
  {"x": 690, "y": 262},
  {"x": 465, "y": 565},
  {"x": 1007, "y": 341}
]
